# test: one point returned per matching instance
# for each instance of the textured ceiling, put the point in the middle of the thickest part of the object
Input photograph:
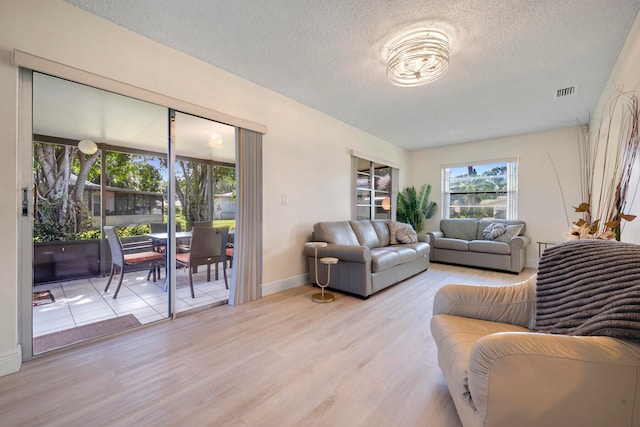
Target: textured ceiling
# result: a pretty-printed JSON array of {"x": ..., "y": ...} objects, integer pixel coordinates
[{"x": 508, "y": 57}]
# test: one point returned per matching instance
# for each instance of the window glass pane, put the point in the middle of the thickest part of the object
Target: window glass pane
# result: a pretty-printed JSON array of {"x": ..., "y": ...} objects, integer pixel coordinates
[
  {"x": 364, "y": 166},
  {"x": 364, "y": 197},
  {"x": 383, "y": 181},
  {"x": 363, "y": 180},
  {"x": 363, "y": 212},
  {"x": 480, "y": 191},
  {"x": 374, "y": 194},
  {"x": 382, "y": 205},
  {"x": 478, "y": 205}
]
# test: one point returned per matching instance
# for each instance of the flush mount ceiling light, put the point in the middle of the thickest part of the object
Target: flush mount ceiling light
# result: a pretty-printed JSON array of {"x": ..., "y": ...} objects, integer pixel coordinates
[{"x": 417, "y": 58}]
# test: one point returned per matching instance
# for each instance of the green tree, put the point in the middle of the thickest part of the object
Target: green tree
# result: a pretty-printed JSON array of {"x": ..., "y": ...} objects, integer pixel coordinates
[
  {"x": 191, "y": 189},
  {"x": 134, "y": 172},
  {"x": 60, "y": 207},
  {"x": 469, "y": 190},
  {"x": 61, "y": 173},
  {"x": 224, "y": 180}
]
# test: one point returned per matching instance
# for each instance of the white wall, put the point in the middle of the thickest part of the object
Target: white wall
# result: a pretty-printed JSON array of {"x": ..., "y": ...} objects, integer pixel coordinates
[
  {"x": 540, "y": 202},
  {"x": 625, "y": 76},
  {"x": 305, "y": 152}
]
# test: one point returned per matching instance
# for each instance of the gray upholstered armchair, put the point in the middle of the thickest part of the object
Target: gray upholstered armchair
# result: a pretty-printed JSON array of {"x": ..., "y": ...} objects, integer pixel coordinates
[{"x": 558, "y": 349}]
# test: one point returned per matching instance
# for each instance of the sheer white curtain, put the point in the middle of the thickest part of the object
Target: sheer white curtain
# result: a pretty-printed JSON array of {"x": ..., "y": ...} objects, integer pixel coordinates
[{"x": 247, "y": 260}]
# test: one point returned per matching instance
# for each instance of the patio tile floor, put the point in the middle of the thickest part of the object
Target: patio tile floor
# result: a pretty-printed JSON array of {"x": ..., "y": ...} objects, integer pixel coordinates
[{"x": 80, "y": 302}]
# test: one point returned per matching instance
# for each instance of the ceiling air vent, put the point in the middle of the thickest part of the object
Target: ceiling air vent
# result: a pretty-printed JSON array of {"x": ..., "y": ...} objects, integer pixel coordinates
[{"x": 565, "y": 92}]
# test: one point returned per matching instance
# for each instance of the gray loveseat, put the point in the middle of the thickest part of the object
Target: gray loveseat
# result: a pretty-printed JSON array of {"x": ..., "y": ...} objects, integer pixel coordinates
[
  {"x": 463, "y": 241},
  {"x": 368, "y": 261}
]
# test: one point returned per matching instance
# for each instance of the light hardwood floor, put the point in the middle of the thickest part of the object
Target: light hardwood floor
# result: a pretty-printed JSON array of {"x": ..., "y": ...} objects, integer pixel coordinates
[{"x": 280, "y": 361}]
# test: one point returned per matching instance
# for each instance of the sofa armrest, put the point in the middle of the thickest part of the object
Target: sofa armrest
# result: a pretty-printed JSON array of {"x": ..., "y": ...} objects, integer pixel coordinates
[
  {"x": 519, "y": 242},
  {"x": 526, "y": 379},
  {"x": 349, "y": 253},
  {"x": 433, "y": 235},
  {"x": 513, "y": 304}
]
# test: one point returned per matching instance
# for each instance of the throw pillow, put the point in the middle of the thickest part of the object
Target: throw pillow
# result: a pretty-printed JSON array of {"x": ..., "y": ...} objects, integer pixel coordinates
[
  {"x": 393, "y": 227},
  {"x": 406, "y": 234},
  {"x": 494, "y": 230},
  {"x": 509, "y": 233}
]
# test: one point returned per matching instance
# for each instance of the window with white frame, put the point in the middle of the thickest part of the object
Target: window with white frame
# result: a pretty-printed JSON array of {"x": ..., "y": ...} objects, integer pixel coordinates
[{"x": 481, "y": 190}]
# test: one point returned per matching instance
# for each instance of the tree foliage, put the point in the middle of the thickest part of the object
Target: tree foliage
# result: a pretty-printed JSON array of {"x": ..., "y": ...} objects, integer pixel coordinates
[
  {"x": 134, "y": 172},
  {"x": 191, "y": 189},
  {"x": 60, "y": 208},
  {"x": 61, "y": 174},
  {"x": 468, "y": 191}
]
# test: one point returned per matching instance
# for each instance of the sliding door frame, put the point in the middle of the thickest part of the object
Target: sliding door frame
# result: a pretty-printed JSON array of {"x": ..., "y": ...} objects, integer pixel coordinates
[
  {"x": 25, "y": 222},
  {"x": 27, "y": 64}
]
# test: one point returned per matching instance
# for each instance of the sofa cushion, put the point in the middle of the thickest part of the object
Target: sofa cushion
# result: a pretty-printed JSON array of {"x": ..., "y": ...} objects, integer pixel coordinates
[
  {"x": 365, "y": 233},
  {"x": 483, "y": 223},
  {"x": 338, "y": 232},
  {"x": 453, "y": 244},
  {"x": 460, "y": 228},
  {"x": 489, "y": 247},
  {"x": 382, "y": 229},
  {"x": 421, "y": 248},
  {"x": 382, "y": 259},
  {"x": 405, "y": 253}
]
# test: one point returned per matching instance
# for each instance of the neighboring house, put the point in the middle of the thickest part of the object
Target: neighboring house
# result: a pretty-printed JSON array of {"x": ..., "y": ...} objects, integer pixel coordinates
[
  {"x": 123, "y": 206},
  {"x": 224, "y": 206}
]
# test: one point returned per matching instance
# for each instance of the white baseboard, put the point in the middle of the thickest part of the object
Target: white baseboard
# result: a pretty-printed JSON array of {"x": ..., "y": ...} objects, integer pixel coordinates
[
  {"x": 283, "y": 285},
  {"x": 11, "y": 361}
]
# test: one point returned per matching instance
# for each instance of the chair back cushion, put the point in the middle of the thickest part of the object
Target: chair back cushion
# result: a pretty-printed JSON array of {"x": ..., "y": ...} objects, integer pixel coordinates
[{"x": 589, "y": 287}]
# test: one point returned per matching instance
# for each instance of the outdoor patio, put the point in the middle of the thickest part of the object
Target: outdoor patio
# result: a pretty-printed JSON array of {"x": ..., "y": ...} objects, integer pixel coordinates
[{"x": 81, "y": 302}]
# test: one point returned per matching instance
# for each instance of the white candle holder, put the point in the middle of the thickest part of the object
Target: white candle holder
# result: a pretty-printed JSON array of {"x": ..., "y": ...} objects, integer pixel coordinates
[{"x": 323, "y": 296}]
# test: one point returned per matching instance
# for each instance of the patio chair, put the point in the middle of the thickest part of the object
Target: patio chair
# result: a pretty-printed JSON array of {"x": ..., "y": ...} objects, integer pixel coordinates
[
  {"x": 208, "y": 246},
  {"x": 120, "y": 260},
  {"x": 158, "y": 227}
]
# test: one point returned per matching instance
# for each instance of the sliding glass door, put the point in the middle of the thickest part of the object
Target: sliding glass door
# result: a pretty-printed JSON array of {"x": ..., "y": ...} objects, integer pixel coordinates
[
  {"x": 118, "y": 185},
  {"x": 205, "y": 184}
]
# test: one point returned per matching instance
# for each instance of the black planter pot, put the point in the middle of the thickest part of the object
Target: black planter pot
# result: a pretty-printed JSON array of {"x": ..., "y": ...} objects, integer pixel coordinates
[{"x": 65, "y": 260}]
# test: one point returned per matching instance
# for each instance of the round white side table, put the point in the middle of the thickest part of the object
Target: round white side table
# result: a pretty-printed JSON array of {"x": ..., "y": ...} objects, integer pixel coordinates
[{"x": 323, "y": 296}]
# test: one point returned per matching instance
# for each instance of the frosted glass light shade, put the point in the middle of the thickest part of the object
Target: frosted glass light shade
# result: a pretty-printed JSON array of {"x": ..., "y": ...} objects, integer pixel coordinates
[{"x": 87, "y": 146}]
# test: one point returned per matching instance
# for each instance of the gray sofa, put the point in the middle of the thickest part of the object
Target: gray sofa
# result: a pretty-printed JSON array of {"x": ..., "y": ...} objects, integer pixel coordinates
[
  {"x": 462, "y": 241},
  {"x": 368, "y": 261}
]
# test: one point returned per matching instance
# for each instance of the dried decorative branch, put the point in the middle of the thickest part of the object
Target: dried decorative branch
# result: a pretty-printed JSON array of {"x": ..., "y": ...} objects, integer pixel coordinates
[{"x": 604, "y": 202}]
